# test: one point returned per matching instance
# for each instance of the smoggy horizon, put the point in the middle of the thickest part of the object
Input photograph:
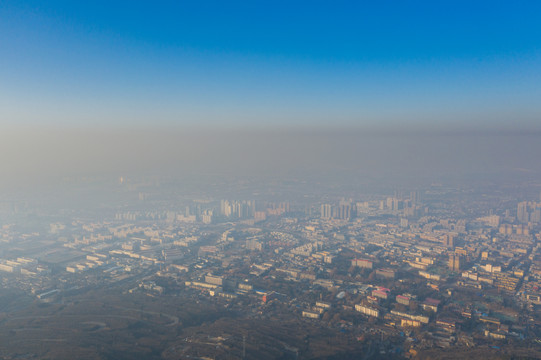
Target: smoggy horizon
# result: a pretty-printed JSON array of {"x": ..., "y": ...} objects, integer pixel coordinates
[{"x": 32, "y": 155}]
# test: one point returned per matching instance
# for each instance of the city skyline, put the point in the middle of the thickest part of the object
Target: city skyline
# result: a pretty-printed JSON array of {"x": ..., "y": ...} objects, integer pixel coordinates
[{"x": 282, "y": 180}]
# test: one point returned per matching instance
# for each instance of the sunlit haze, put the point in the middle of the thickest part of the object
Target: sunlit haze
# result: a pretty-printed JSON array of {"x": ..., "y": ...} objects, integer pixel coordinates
[{"x": 237, "y": 180}]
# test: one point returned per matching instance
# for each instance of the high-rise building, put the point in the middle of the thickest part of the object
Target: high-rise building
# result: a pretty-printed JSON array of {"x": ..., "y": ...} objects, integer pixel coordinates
[
  {"x": 449, "y": 241},
  {"x": 522, "y": 212},
  {"x": 529, "y": 211},
  {"x": 225, "y": 208},
  {"x": 206, "y": 217},
  {"x": 342, "y": 212},
  {"x": 455, "y": 262},
  {"x": 414, "y": 198},
  {"x": 394, "y": 204},
  {"x": 535, "y": 216},
  {"x": 326, "y": 211}
]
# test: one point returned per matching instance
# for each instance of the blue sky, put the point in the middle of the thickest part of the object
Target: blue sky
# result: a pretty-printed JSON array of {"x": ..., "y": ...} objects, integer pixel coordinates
[{"x": 266, "y": 64}]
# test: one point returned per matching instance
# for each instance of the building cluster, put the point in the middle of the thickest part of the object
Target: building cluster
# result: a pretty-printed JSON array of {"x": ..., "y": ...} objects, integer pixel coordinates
[{"x": 403, "y": 265}]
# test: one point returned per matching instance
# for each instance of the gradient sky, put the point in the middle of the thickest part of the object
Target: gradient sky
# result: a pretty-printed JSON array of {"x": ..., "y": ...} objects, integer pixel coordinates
[{"x": 263, "y": 64}]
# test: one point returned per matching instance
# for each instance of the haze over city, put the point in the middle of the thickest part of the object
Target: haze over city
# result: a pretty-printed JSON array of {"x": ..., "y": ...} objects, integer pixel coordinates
[{"x": 281, "y": 180}]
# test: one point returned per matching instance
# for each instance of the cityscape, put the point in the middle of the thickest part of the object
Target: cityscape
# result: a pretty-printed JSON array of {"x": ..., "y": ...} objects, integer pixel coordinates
[
  {"x": 237, "y": 180},
  {"x": 277, "y": 269}
]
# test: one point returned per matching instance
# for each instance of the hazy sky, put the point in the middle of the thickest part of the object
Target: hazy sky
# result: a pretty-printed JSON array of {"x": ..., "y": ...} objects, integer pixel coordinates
[
  {"x": 265, "y": 64},
  {"x": 395, "y": 89},
  {"x": 44, "y": 156}
]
